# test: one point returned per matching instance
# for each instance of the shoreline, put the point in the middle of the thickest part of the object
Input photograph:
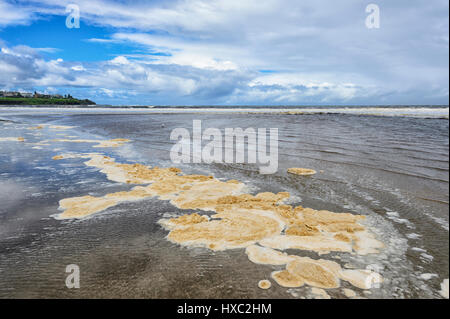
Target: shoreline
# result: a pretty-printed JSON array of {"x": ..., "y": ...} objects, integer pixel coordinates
[{"x": 431, "y": 112}]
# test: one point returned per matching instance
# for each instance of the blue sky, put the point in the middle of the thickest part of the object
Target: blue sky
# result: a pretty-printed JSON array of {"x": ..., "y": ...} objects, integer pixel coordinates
[{"x": 228, "y": 52}]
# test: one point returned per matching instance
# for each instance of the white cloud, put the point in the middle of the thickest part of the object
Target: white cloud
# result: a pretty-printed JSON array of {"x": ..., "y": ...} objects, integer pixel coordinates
[
  {"x": 319, "y": 51},
  {"x": 9, "y": 15},
  {"x": 120, "y": 60},
  {"x": 78, "y": 68},
  {"x": 116, "y": 74}
]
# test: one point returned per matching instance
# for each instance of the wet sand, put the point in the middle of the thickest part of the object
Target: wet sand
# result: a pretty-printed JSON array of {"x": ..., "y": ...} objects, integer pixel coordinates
[{"x": 393, "y": 172}]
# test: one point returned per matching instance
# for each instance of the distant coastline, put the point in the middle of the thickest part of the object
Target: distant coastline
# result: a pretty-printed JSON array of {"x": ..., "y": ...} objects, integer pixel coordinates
[
  {"x": 43, "y": 101},
  {"x": 36, "y": 99}
]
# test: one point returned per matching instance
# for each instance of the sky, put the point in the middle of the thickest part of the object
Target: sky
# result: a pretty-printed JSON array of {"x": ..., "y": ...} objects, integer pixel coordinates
[{"x": 228, "y": 52}]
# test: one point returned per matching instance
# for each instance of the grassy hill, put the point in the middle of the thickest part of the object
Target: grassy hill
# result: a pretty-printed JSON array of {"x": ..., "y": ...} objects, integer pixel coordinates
[{"x": 43, "y": 101}]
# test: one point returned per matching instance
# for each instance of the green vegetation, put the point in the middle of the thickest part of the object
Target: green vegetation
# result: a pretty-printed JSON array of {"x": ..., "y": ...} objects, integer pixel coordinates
[{"x": 43, "y": 101}]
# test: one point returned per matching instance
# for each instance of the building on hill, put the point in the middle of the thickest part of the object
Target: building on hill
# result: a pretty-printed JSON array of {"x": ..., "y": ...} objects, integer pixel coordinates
[
  {"x": 43, "y": 96},
  {"x": 11, "y": 94},
  {"x": 35, "y": 95},
  {"x": 15, "y": 94}
]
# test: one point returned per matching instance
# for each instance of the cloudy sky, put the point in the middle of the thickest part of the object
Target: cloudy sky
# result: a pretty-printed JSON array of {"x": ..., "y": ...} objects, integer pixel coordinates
[{"x": 229, "y": 52}]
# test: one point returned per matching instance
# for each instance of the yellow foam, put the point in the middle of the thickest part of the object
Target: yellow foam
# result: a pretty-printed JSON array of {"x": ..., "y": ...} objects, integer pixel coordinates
[
  {"x": 285, "y": 279},
  {"x": 100, "y": 143},
  {"x": 264, "y": 284},
  {"x": 12, "y": 139},
  {"x": 349, "y": 293},
  {"x": 315, "y": 273},
  {"x": 301, "y": 171},
  {"x": 320, "y": 293},
  {"x": 361, "y": 278},
  {"x": 261, "y": 223},
  {"x": 267, "y": 256}
]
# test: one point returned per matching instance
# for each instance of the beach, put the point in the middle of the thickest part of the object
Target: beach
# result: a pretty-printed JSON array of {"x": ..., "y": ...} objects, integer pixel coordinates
[{"x": 388, "y": 165}]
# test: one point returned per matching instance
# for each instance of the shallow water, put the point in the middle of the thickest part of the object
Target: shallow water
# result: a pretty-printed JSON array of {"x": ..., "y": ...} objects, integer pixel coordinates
[{"x": 392, "y": 169}]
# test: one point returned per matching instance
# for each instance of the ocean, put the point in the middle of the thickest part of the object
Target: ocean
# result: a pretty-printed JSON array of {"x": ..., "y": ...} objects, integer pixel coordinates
[{"x": 389, "y": 164}]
